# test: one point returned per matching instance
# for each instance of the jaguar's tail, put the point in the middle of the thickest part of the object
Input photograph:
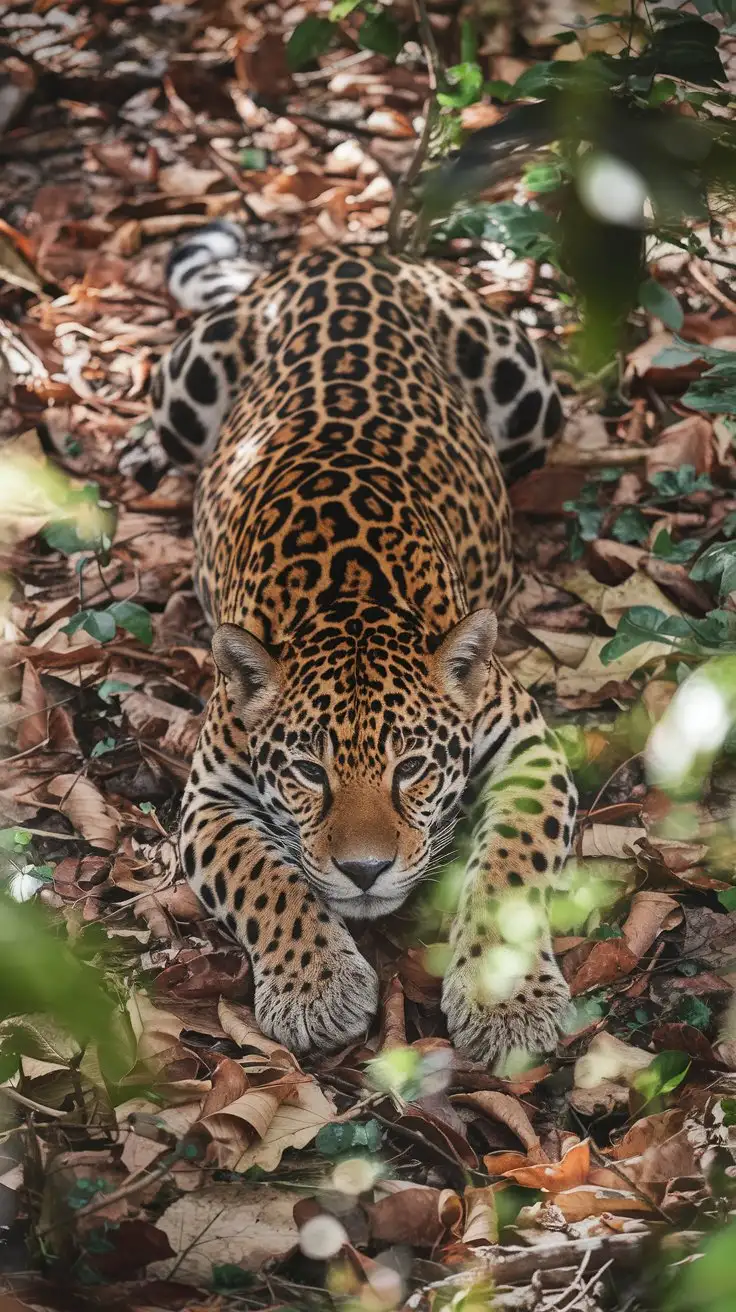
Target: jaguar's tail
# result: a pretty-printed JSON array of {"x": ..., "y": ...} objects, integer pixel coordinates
[{"x": 214, "y": 265}]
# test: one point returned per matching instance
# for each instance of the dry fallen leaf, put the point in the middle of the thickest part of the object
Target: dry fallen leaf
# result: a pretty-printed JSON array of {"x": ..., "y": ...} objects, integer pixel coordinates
[
  {"x": 502, "y": 1107},
  {"x": 245, "y": 1225},
  {"x": 481, "y": 1221},
  {"x": 554, "y": 1177},
  {"x": 646, "y": 919},
  {"x": 420, "y": 1217},
  {"x": 81, "y": 801}
]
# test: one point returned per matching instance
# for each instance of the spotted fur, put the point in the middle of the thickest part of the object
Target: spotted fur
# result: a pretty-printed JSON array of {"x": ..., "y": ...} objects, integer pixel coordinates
[{"x": 352, "y": 418}]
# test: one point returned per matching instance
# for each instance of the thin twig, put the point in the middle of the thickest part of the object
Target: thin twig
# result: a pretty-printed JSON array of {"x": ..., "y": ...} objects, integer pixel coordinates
[
  {"x": 133, "y": 1186},
  {"x": 13, "y": 1096},
  {"x": 431, "y": 114}
]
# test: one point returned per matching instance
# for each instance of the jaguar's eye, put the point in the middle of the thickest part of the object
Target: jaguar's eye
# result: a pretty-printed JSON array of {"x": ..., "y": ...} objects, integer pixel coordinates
[
  {"x": 311, "y": 772},
  {"x": 408, "y": 768}
]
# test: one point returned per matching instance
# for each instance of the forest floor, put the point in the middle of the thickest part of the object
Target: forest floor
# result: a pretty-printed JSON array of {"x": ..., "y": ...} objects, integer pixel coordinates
[{"x": 216, "y": 1171}]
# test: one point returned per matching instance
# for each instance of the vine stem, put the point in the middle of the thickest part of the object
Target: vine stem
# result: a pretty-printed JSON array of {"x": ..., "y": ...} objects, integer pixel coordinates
[{"x": 396, "y": 239}]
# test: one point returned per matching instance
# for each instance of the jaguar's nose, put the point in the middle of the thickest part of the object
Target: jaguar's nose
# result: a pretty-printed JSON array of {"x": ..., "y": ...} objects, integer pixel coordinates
[{"x": 364, "y": 873}]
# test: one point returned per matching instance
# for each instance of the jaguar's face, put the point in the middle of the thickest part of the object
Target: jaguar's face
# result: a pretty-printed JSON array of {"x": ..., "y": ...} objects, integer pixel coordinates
[{"x": 361, "y": 746}]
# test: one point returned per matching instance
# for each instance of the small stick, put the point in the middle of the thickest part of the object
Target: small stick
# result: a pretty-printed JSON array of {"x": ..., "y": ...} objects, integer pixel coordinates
[{"x": 431, "y": 114}]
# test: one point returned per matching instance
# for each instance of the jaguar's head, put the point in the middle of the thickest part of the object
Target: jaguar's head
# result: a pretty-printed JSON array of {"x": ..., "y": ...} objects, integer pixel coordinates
[{"x": 359, "y": 736}]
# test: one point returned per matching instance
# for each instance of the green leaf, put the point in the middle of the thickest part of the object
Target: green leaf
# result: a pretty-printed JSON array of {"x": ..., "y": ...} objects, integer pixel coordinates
[
  {"x": 671, "y": 484},
  {"x": 544, "y": 178},
  {"x": 110, "y": 688},
  {"x": 40, "y": 974},
  {"x": 14, "y": 840},
  {"x": 708, "y": 1284},
  {"x": 728, "y": 1106},
  {"x": 664, "y": 89},
  {"x": 334, "y": 1139},
  {"x": 228, "y": 1275},
  {"x": 630, "y": 526},
  {"x": 524, "y": 230},
  {"x": 715, "y": 391},
  {"x": 659, "y": 301},
  {"x": 727, "y": 898},
  {"x": 663, "y": 1075},
  {"x": 253, "y": 159},
  {"x": 134, "y": 618},
  {"x": 638, "y": 625},
  {"x": 717, "y": 565},
  {"x": 604, "y": 932},
  {"x": 678, "y": 552},
  {"x": 465, "y": 83},
  {"x": 99, "y": 624},
  {"x": 590, "y": 75},
  {"x": 309, "y": 39},
  {"x": 686, "y": 48},
  {"x": 46, "y": 873},
  {"x": 9, "y": 1063},
  {"x": 102, "y": 747},
  {"x": 693, "y": 1011},
  {"x": 342, "y": 9},
  {"x": 379, "y": 32},
  {"x": 673, "y": 357}
]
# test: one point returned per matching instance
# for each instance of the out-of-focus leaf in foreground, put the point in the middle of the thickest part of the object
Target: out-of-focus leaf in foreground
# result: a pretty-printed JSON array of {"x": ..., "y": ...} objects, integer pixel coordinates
[{"x": 40, "y": 973}]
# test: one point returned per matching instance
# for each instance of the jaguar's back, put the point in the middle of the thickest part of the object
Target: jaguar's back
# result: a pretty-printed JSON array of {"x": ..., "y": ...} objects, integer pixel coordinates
[{"x": 351, "y": 528}]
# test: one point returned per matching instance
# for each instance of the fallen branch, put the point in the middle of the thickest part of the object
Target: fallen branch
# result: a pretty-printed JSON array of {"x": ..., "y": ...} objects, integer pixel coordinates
[{"x": 519, "y": 1266}]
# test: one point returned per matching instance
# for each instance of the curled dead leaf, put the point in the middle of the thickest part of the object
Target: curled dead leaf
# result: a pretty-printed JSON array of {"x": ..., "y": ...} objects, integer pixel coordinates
[
  {"x": 481, "y": 1220},
  {"x": 509, "y": 1111},
  {"x": 84, "y": 805},
  {"x": 555, "y": 1177},
  {"x": 649, "y": 911}
]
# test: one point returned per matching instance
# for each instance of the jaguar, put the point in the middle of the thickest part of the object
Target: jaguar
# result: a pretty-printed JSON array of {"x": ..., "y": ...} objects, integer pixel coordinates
[{"x": 353, "y": 420}]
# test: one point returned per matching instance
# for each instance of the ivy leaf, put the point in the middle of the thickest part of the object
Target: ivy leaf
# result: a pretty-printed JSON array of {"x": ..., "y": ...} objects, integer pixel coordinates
[
  {"x": 309, "y": 39},
  {"x": 717, "y": 565},
  {"x": 715, "y": 390},
  {"x": 630, "y": 526},
  {"x": 659, "y": 301},
  {"x": 678, "y": 552},
  {"x": 718, "y": 628},
  {"x": 134, "y": 618},
  {"x": 642, "y": 624},
  {"x": 693, "y": 1011},
  {"x": 335, "y": 1139},
  {"x": 98, "y": 623},
  {"x": 670, "y": 484},
  {"x": 379, "y": 32}
]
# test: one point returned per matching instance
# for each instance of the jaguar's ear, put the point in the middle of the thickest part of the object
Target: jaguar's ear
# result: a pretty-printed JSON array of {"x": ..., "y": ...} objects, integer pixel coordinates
[
  {"x": 245, "y": 662},
  {"x": 464, "y": 654}
]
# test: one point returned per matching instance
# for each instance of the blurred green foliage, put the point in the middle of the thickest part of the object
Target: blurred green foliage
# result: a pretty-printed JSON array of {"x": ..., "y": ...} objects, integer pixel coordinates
[
  {"x": 41, "y": 975},
  {"x": 707, "y": 1284}
]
